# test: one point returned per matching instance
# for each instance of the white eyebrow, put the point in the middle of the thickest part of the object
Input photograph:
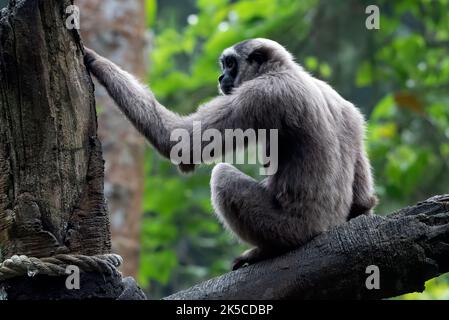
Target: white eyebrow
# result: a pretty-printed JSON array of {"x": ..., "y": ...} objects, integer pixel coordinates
[{"x": 229, "y": 52}]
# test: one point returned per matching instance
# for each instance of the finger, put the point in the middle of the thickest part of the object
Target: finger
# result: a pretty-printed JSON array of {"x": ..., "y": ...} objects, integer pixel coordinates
[
  {"x": 89, "y": 56},
  {"x": 238, "y": 263}
]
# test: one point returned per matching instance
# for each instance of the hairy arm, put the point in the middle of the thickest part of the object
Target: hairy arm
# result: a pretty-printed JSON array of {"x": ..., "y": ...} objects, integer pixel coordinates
[
  {"x": 156, "y": 122},
  {"x": 139, "y": 105}
]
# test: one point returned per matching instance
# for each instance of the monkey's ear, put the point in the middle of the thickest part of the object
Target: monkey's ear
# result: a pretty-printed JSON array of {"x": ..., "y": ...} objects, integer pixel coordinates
[{"x": 259, "y": 56}]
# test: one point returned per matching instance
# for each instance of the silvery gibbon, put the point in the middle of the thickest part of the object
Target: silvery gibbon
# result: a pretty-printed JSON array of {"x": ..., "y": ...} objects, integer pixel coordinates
[{"x": 323, "y": 177}]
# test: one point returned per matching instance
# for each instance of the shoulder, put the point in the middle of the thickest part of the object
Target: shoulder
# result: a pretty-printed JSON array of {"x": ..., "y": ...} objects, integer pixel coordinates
[{"x": 266, "y": 89}]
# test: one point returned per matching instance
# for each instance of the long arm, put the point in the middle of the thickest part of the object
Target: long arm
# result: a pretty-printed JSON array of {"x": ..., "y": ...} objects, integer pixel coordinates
[
  {"x": 157, "y": 123},
  {"x": 139, "y": 105}
]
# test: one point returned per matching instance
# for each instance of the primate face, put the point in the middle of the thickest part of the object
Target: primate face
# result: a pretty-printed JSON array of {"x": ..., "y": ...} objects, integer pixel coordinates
[
  {"x": 230, "y": 68},
  {"x": 241, "y": 63}
]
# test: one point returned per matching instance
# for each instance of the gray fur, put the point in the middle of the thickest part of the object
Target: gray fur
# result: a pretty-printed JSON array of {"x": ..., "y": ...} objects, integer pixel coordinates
[{"x": 324, "y": 176}]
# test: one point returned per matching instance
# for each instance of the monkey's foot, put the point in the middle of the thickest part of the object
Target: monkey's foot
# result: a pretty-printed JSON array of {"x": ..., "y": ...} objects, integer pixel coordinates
[
  {"x": 239, "y": 262},
  {"x": 249, "y": 257}
]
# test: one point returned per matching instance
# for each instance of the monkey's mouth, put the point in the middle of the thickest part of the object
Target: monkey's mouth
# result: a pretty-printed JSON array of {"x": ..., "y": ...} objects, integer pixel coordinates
[{"x": 226, "y": 88}]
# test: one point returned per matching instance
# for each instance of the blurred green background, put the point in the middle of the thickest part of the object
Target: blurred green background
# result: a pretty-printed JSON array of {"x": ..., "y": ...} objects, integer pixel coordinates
[{"x": 398, "y": 76}]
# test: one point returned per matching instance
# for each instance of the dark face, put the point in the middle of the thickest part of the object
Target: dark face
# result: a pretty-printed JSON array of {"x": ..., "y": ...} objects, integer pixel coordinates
[
  {"x": 230, "y": 67},
  {"x": 242, "y": 63}
]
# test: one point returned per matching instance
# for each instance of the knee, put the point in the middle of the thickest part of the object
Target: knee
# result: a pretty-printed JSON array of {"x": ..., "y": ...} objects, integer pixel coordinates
[
  {"x": 221, "y": 176},
  {"x": 223, "y": 189}
]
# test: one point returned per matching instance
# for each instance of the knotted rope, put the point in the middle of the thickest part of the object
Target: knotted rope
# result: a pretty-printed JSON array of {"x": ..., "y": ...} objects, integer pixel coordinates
[{"x": 56, "y": 265}]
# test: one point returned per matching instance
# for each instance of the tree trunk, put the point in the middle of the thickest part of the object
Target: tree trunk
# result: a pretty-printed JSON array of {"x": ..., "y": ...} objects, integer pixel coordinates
[
  {"x": 51, "y": 182},
  {"x": 408, "y": 248},
  {"x": 51, "y": 165},
  {"x": 120, "y": 36}
]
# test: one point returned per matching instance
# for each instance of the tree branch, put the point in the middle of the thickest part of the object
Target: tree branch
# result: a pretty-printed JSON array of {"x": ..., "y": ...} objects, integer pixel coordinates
[{"x": 409, "y": 247}]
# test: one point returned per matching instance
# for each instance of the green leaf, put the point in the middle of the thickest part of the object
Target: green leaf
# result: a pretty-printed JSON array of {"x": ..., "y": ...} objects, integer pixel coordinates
[
  {"x": 311, "y": 63},
  {"x": 325, "y": 70},
  {"x": 150, "y": 11},
  {"x": 364, "y": 75},
  {"x": 385, "y": 109},
  {"x": 157, "y": 266}
]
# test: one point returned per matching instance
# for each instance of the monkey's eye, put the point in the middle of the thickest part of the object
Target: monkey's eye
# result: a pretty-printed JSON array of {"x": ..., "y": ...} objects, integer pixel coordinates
[{"x": 229, "y": 63}]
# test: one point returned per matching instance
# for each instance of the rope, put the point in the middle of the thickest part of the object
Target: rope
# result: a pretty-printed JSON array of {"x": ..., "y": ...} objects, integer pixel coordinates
[{"x": 56, "y": 265}]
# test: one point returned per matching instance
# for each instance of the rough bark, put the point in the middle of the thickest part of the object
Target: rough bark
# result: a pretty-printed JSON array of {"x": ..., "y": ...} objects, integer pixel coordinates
[
  {"x": 119, "y": 34},
  {"x": 93, "y": 286},
  {"x": 51, "y": 178},
  {"x": 51, "y": 164},
  {"x": 409, "y": 247}
]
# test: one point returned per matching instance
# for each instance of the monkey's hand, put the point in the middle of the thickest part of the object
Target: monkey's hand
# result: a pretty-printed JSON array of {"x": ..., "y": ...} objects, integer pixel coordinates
[{"x": 90, "y": 56}]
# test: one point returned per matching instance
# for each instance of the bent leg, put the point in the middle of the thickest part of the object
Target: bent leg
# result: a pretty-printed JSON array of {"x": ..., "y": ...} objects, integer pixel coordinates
[{"x": 248, "y": 210}]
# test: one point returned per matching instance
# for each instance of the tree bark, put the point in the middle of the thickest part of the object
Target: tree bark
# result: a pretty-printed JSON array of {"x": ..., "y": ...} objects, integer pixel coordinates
[
  {"x": 409, "y": 247},
  {"x": 51, "y": 165},
  {"x": 119, "y": 34},
  {"x": 51, "y": 178}
]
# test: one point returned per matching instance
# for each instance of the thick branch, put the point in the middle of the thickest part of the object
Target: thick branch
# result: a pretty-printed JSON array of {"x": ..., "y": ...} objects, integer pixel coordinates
[{"x": 409, "y": 247}]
